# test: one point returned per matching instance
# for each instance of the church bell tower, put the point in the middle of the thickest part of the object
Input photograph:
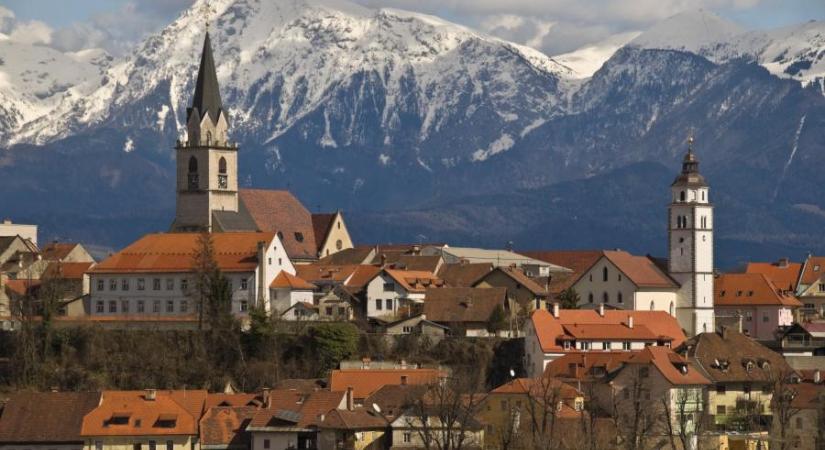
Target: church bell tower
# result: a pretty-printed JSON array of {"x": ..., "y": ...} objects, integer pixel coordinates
[
  {"x": 691, "y": 247},
  {"x": 207, "y": 164}
]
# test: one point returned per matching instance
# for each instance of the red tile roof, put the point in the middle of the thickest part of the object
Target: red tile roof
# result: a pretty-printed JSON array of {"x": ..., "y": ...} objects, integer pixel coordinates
[
  {"x": 57, "y": 251},
  {"x": 813, "y": 270},
  {"x": 414, "y": 280},
  {"x": 783, "y": 275},
  {"x": 366, "y": 381},
  {"x": 286, "y": 280},
  {"x": 733, "y": 351},
  {"x": 362, "y": 276},
  {"x": 174, "y": 252},
  {"x": 550, "y": 329},
  {"x": 675, "y": 368},
  {"x": 807, "y": 396},
  {"x": 321, "y": 273},
  {"x": 580, "y": 365},
  {"x": 534, "y": 385},
  {"x": 321, "y": 224},
  {"x": 579, "y": 261},
  {"x": 280, "y": 212},
  {"x": 641, "y": 270},
  {"x": 232, "y": 400},
  {"x": 519, "y": 277},
  {"x": 22, "y": 287},
  {"x": 170, "y": 413},
  {"x": 602, "y": 331},
  {"x": 50, "y": 417},
  {"x": 749, "y": 289},
  {"x": 67, "y": 271},
  {"x": 296, "y": 410},
  {"x": 358, "y": 419},
  {"x": 349, "y": 256},
  {"x": 226, "y": 426}
]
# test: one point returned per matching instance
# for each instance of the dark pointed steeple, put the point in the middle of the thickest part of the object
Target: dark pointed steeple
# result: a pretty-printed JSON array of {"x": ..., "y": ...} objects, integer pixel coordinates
[
  {"x": 690, "y": 175},
  {"x": 207, "y": 98}
]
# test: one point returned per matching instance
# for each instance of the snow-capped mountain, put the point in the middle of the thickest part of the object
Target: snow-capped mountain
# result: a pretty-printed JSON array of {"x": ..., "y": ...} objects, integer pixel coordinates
[
  {"x": 796, "y": 52},
  {"x": 442, "y": 130}
]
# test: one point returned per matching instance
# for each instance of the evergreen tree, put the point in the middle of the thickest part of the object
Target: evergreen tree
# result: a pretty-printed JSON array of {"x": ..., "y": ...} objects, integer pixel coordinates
[{"x": 569, "y": 299}]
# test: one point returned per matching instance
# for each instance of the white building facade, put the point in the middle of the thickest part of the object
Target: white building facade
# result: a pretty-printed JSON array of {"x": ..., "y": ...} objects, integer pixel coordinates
[{"x": 690, "y": 235}]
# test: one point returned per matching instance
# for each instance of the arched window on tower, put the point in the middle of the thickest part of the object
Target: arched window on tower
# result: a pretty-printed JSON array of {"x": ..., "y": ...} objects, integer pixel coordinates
[
  {"x": 193, "y": 173},
  {"x": 682, "y": 196},
  {"x": 223, "y": 179},
  {"x": 208, "y": 138}
]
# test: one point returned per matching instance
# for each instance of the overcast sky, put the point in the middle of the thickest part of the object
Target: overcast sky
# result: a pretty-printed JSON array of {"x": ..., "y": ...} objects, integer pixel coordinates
[{"x": 553, "y": 26}]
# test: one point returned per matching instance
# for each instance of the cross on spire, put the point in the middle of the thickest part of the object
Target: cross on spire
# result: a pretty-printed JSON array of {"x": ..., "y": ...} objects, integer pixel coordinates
[
  {"x": 207, "y": 10},
  {"x": 690, "y": 140}
]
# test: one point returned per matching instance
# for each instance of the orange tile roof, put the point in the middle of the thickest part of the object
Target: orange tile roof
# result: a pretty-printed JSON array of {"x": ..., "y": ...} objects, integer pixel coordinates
[
  {"x": 295, "y": 409},
  {"x": 67, "y": 271},
  {"x": 813, "y": 270},
  {"x": 232, "y": 400},
  {"x": 226, "y": 426},
  {"x": 174, "y": 252},
  {"x": 171, "y": 413},
  {"x": 749, "y": 289},
  {"x": 349, "y": 256},
  {"x": 56, "y": 251},
  {"x": 358, "y": 419},
  {"x": 589, "y": 332},
  {"x": 641, "y": 270},
  {"x": 414, "y": 280},
  {"x": 322, "y": 273},
  {"x": 783, "y": 275},
  {"x": 549, "y": 329},
  {"x": 366, "y": 381},
  {"x": 519, "y": 277},
  {"x": 286, "y": 280},
  {"x": 675, "y": 368},
  {"x": 579, "y": 365},
  {"x": 533, "y": 386},
  {"x": 280, "y": 212},
  {"x": 22, "y": 287},
  {"x": 362, "y": 275}
]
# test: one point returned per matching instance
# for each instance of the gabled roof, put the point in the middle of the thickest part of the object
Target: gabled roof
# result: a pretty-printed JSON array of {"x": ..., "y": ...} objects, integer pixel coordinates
[
  {"x": 226, "y": 426},
  {"x": 609, "y": 331},
  {"x": 174, "y": 252},
  {"x": 361, "y": 276},
  {"x": 48, "y": 417},
  {"x": 355, "y": 420},
  {"x": 641, "y": 270},
  {"x": 499, "y": 258},
  {"x": 813, "y": 270},
  {"x": 579, "y": 261},
  {"x": 676, "y": 369},
  {"x": 463, "y": 274},
  {"x": 295, "y": 410},
  {"x": 724, "y": 357},
  {"x": 580, "y": 365},
  {"x": 749, "y": 289},
  {"x": 393, "y": 398},
  {"x": 783, "y": 274},
  {"x": 170, "y": 413},
  {"x": 519, "y": 277},
  {"x": 280, "y": 212},
  {"x": 350, "y": 256},
  {"x": 646, "y": 324},
  {"x": 459, "y": 305},
  {"x": 57, "y": 251},
  {"x": 414, "y": 280},
  {"x": 364, "y": 382},
  {"x": 232, "y": 400},
  {"x": 427, "y": 263},
  {"x": 321, "y": 273},
  {"x": 207, "y": 99},
  {"x": 321, "y": 225},
  {"x": 285, "y": 280},
  {"x": 540, "y": 387},
  {"x": 67, "y": 271}
]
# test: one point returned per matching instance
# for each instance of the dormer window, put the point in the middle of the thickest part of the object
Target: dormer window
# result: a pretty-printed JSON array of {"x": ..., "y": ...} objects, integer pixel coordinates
[
  {"x": 299, "y": 236},
  {"x": 166, "y": 421},
  {"x": 117, "y": 419}
]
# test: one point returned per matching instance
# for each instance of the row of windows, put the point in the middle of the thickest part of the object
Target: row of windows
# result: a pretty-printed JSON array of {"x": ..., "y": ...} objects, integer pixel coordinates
[
  {"x": 585, "y": 345},
  {"x": 606, "y": 275},
  {"x": 126, "y": 283},
  {"x": 379, "y": 303},
  {"x": 153, "y": 445},
  {"x": 683, "y": 222},
  {"x": 683, "y": 196},
  {"x": 155, "y": 306},
  {"x": 223, "y": 178},
  {"x": 606, "y": 297}
]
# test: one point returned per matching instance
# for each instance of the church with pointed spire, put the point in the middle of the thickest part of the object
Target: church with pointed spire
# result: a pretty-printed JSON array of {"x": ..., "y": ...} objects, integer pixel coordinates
[
  {"x": 207, "y": 194},
  {"x": 690, "y": 236}
]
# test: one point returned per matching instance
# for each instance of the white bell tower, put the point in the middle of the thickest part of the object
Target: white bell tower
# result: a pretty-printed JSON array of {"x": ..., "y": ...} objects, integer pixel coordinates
[{"x": 690, "y": 232}]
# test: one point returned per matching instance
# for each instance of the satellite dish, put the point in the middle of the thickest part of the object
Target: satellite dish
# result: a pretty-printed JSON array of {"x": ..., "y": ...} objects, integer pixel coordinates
[
  {"x": 512, "y": 373},
  {"x": 376, "y": 408}
]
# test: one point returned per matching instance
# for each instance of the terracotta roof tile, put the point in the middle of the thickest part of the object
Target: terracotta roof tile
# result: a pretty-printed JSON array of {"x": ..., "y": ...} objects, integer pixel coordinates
[
  {"x": 232, "y": 400},
  {"x": 414, "y": 280},
  {"x": 519, "y": 277},
  {"x": 393, "y": 398},
  {"x": 325, "y": 274},
  {"x": 548, "y": 329},
  {"x": 280, "y": 212},
  {"x": 321, "y": 224},
  {"x": 733, "y": 350},
  {"x": 813, "y": 270},
  {"x": 362, "y": 276},
  {"x": 67, "y": 271},
  {"x": 364, "y": 382},
  {"x": 226, "y": 426},
  {"x": 358, "y": 419},
  {"x": 50, "y": 417},
  {"x": 170, "y": 413},
  {"x": 676, "y": 369},
  {"x": 609, "y": 331},
  {"x": 296, "y": 410},
  {"x": 641, "y": 270},
  {"x": 807, "y": 395},
  {"x": 539, "y": 387},
  {"x": 457, "y": 305},
  {"x": 427, "y": 263},
  {"x": 174, "y": 252},
  {"x": 581, "y": 366},
  {"x": 746, "y": 289},
  {"x": 463, "y": 274},
  {"x": 56, "y": 251},
  {"x": 349, "y": 256},
  {"x": 285, "y": 280},
  {"x": 579, "y": 261},
  {"x": 784, "y": 275}
]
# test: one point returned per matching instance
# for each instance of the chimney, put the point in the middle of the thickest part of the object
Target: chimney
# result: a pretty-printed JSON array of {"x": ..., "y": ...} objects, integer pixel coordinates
[
  {"x": 365, "y": 362},
  {"x": 403, "y": 364},
  {"x": 403, "y": 380},
  {"x": 784, "y": 262},
  {"x": 601, "y": 310},
  {"x": 556, "y": 310},
  {"x": 383, "y": 259},
  {"x": 150, "y": 394},
  {"x": 817, "y": 376},
  {"x": 416, "y": 250},
  {"x": 266, "y": 393},
  {"x": 630, "y": 321},
  {"x": 350, "y": 399},
  {"x": 463, "y": 261}
]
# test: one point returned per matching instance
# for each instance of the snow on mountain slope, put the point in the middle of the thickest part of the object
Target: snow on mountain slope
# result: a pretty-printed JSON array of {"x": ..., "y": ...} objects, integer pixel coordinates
[
  {"x": 279, "y": 61},
  {"x": 585, "y": 61},
  {"x": 796, "y": 51},
  {"x": 35, "y": 79}
]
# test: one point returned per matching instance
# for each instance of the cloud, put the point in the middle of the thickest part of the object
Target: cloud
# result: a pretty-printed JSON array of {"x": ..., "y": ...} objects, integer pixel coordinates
[{"x": 32, "y": 32}]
